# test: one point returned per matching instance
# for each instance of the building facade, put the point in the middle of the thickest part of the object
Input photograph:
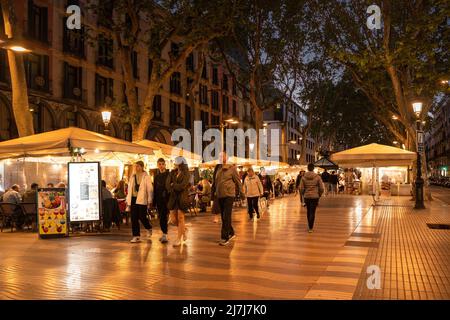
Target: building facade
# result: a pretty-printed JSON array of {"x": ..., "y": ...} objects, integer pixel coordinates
[
  {"x": 70, "y": 81},
  {"x": 289, "y": 118},
  {"x": 437, "y": 141}
]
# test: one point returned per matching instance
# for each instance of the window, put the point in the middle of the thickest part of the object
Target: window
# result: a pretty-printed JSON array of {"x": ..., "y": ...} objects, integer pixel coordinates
[
  {"x": 205, "y": 72},
  {"x": 190, "y": 63},
  {"x": 73, "y": 40},
  {"x": 175, "y": 83},
  {"x": 215, "y": 76},
  {"x": 105, "y": 12},
  {"x": 235, "y": 112},
  {"x": 37, "y": 22},
  {"x": 105, "y": 52},
  {"x": 157, "y": 113},
  {"x": 203, "y": 92},
  {"x": 175, "y": 113},
  {"x": 72, "y": 82},
  {"x": 215, "y": 100},
  {"x": 215, "y": 120},
  {"x": 2, "y": 22},
  {"x": 225, "y": 82},
  {"x": 127, "y": 132},
  {"x": 234, "y": 87},
  {"x": 188, "y": 117},
  {"x": 71, "y": 119},
  {"x": 174, "y": 49},
  {"x": 4, "y": 68},
  {"x": 103, "y": 89},
  {"x": 225, "y": 105},
  {"x": 204, "y": 116},
  {"x": 134, "y": 62},
  {"x": 36, "y": 71}
]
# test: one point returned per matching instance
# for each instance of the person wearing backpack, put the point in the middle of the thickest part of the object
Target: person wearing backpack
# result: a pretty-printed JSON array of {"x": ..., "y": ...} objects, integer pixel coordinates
[{"x": 311, "y": 187}]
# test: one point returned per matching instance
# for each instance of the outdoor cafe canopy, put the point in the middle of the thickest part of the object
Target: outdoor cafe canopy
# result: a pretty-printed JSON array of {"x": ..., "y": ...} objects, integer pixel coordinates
[
  {"x": 247, "y": 162},
  {"x": 58, "y": 142},
  {"x": 374, "y": 155},
  {"x": 165, "y": 150}
]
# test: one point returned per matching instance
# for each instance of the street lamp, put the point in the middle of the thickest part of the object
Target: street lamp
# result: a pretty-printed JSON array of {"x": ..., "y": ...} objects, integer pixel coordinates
[
  {"x": 106, "y": 117},
  {"x": 417, "y": 108},
  {"x": 14, "y": 45},
  {"x": 395, "y": 142}
]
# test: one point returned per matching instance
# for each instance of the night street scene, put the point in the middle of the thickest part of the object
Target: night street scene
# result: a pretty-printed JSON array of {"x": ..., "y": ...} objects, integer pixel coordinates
[{"x": 224, "y": 155}]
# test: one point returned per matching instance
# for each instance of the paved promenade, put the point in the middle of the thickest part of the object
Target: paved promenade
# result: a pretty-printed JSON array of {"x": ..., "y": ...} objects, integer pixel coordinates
[{"x": 274, "y": 258}]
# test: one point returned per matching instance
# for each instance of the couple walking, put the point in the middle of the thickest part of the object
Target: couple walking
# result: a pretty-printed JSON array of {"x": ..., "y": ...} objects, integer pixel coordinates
[{"x": 170, "y": 192}]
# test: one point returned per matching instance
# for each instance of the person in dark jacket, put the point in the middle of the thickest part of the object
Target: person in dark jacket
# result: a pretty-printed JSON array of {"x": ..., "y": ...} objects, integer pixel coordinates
[
  {"x": 326, "y": 181},
  {"x": 334, "y": 180},
  {"x": 178, "y": 185},
  {"x": 266, "y": 183},
  {"x": 161, "y": 196},
  {"x": 312, "y": 189},
  {"x": 297, "y": 185}
]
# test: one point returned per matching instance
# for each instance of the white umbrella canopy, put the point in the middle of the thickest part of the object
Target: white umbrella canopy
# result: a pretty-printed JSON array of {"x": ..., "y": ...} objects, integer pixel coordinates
[
  {"x": 57, "y": 143},
  {"x": 374, "y": 155}
]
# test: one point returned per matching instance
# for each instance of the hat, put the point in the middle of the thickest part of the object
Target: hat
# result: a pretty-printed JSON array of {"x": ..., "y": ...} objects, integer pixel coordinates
[{"x": 180, "y": 160}]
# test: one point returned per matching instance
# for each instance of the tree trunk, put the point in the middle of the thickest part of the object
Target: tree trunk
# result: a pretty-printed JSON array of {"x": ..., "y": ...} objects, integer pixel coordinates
[{"x": 20, "y": 106}]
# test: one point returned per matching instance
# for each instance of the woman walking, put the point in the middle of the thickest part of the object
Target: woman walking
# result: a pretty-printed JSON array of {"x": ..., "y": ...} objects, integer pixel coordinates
[
  {"x": 177, "y": 185},
  {"x": 311, "y": 187},
  {"x": 253, "y": 189},
  {"x": 139, "y": 199}
]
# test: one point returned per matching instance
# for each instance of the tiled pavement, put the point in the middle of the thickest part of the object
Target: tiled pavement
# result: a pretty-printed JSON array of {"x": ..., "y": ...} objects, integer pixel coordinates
[
  {"x": 414, "y": 260},
  {"x": 274, "y": 258}
]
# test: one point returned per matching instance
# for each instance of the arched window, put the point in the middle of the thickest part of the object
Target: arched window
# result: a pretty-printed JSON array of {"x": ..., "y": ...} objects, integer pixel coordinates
[{"x": 8, "y": 129}]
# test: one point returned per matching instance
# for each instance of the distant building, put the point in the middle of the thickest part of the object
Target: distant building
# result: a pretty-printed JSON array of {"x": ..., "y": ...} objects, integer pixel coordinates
[
  {"x": 437, "y": 143},
  {"x": 289, "y": 118}
]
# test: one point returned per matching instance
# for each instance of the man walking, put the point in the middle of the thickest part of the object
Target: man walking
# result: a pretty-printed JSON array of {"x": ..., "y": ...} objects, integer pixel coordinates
[
  {"x": 334, "y": 179},
  {"x": 160, "y": 197},
  {"x": 326, "y": 181},
  {"x": 227, "y": 185},
  {"x": 311, "y": 186}
]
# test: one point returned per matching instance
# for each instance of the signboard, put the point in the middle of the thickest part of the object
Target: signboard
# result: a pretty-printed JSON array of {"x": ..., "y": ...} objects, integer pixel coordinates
[
  {"x": 84, "y": 191},
  {"x": 52, "y": 213}
]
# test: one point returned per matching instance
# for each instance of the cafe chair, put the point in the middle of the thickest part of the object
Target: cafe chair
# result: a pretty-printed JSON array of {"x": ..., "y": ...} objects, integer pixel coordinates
[
  {"x": 30, "y": 212},
  {"x": 7, "y": 214}
]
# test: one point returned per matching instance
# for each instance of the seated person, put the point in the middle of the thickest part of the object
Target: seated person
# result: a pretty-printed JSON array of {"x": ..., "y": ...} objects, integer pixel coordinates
[
  {"x": 30, "y": 195},
  {"x": 13, "y": 196}
]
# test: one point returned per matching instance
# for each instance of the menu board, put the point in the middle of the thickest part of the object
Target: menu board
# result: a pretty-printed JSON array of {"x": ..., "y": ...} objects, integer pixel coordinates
[
  {"x": 84, "y": 191},
  {"x": 52, "y": 212}
]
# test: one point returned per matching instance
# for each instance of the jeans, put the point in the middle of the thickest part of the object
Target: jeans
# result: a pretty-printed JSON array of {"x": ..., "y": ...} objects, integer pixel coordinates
[
  {"x": 326, "y": 187},
  {"x": 311, "y": 205},
  {"x": 226, "y": 207},
  {"x": 252, "y": 206},
  {"x": 163, "y": 214},
  {"x": 138, "y": 213}
]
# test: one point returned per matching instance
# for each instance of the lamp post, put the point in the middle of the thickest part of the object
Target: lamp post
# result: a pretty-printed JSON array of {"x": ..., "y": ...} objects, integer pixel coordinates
[
  {"x": 106, "y": 117},
  {"x": 417, "y": 107}
]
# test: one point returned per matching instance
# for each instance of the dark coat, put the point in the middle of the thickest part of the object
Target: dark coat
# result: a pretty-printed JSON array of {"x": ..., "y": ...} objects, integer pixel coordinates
[{"x": 178, "y": 188}]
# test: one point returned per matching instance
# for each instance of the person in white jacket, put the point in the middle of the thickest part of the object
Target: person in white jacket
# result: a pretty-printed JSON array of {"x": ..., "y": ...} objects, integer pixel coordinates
[
  {"x": 253, "y": 189},
  {"x": 139, "y": 199}
]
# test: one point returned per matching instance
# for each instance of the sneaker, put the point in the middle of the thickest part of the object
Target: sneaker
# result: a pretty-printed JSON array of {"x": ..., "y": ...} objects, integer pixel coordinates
[
  {"x": 232, "y": 237},
  {"x": 135, "y": 240},
  {"x": 258, "y": 217},
  {"x": 149, "y": 233},
  {"x": 310, "y": 231},
  {"x": 177, "y": 243},
  {"x": 185, "y": 234},
  {"x": 164, "y": 239},
  {"x": 224, "y": 242}
]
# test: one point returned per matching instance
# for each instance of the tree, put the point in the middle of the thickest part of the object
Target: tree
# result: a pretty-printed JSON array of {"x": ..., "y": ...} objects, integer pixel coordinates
[
  {"x": 20, "y": 106},
  {"x": 156, "y": 24},
  {"x": 261, "y": 33},
  {"x": 404, "y": 61}
]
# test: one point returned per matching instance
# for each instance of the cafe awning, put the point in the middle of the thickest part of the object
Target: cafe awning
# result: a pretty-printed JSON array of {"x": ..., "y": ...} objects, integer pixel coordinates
[
  {"x": 58, "y": 142},
  {"x": 374, "y": 155},
  {"x": 325, "y": 163},
  {"x": 169, "y": 151}
]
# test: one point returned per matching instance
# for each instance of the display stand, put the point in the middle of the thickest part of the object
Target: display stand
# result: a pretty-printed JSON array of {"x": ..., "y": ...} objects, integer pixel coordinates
[{"x": 52, "y": 217}]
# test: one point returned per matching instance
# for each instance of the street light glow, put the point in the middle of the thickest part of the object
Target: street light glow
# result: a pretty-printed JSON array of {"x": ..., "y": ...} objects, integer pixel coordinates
[
  {"x": 395, "y": 142},
  {"x": 417, "y": 107},
  {"x": 394, "y": 117},
  {"x": 106, "y": 116}
]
